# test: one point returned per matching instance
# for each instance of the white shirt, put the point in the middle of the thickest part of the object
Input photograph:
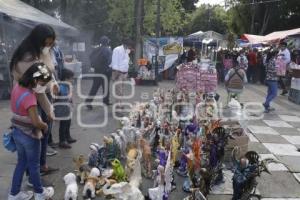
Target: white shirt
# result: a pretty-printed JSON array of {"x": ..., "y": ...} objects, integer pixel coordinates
[
  {"x": 120, "y": 59},
  {"x": 286, "y": 55}
]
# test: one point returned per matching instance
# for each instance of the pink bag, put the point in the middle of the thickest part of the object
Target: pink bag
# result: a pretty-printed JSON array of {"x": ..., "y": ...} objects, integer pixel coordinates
[{"x": 280, "y": 66}]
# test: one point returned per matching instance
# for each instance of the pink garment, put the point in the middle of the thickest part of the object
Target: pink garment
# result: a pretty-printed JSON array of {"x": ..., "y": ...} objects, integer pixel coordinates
[
  {"x": 280, "y": 66},
  {"x": 26, "y": 103}
]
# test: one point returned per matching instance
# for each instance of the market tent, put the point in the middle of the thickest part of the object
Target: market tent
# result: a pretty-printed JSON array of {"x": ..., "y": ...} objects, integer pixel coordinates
[
  {"x": 196, "y": 34},
  {"x": 279, "y": 35},
  {"x": 252, "y": 39},
  {"x": 272, "y": 37},
  {"x": 29, "y": 16},
  {"x": 206, "y": 35}
]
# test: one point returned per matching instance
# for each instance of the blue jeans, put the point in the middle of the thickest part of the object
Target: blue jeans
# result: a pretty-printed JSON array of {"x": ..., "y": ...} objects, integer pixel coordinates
[
  {"x": 272, "y": 92},
  {"x": 28, "y": 151},
  {"x": 44, "y": 140}
]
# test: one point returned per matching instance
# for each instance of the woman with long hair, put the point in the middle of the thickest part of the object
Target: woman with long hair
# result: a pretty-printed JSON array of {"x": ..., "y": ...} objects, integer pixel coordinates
[
  {"x": 27, "y": 132},
  {"x": 36, "y": 48},
  {"x": 271, "y": 80}
]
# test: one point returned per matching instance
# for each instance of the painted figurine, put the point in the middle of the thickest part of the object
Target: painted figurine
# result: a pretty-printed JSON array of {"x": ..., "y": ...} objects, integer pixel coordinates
[{"x": 118, "y": 171}]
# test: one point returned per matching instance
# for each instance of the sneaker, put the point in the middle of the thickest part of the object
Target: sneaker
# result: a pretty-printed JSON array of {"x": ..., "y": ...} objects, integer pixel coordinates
[
  {"x": 21, "y": 195},
  {"x": 46, "y": 195},
  {"x": 50, "y": 151}
]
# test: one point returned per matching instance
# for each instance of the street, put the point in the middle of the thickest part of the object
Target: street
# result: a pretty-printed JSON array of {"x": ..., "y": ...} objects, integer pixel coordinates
[{"x": 276, "y": 135}]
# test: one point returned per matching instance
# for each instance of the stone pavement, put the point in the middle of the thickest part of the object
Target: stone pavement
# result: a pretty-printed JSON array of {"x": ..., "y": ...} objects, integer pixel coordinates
[{"x": 275, "y": 135}]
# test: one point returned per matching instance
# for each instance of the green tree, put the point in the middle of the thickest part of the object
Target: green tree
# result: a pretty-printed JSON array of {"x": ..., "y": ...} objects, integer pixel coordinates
[
  {"x": 263, "y": 16},
  {"x": 207, "y": 18}
]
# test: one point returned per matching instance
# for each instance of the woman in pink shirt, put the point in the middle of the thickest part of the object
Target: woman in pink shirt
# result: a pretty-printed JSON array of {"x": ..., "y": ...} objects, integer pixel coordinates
[{"x": 27, "y": 131}]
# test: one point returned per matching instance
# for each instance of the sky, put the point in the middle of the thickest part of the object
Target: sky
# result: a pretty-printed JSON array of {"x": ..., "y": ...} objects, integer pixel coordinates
[{"x": 212, "y": 2}]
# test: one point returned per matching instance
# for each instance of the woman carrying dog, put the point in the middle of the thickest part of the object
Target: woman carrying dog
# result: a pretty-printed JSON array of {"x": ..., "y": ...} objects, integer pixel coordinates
[{"x": 27, "y": 132}]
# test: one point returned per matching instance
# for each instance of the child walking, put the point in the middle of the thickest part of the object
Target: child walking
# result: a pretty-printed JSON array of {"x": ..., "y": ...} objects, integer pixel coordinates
[{"x": 63, "y": 109}]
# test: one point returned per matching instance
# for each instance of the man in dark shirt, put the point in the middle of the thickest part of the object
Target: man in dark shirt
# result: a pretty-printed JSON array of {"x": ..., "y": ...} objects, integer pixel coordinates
[{"x": 100, "y": 60}]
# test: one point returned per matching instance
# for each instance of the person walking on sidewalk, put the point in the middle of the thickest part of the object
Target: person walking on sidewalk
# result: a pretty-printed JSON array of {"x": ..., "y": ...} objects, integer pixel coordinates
[
  {"x": 36, "y": 48},
  {"x": 271, "y": 80},
  {"x": 100, "y": 61},
  {"x": 27, "y": 134},
  {"x": 285, "y": 56},
  {"x": 120, "y": 66},
  {"x": 63, "y": 109},
  {"x": 235, "y": 80}
]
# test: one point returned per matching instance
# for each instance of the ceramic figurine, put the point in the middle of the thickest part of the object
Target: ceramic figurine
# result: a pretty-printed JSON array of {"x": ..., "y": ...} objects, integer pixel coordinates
[
  {"x": 83, "y": 169},
  {"x": 175, "y": 146},
  {"x": 182, "y": 170},
  {"x": 131, "y": 160},
  {"x": 94, "y": 155},
  {"x": 118, "y": 171},
  {"x": 146, "y": 156},
  {"x": 89, "y": 190}
]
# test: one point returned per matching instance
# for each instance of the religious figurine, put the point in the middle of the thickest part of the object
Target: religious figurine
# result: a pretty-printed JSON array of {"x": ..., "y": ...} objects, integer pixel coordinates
[
  {"x": 94, "y": 155},
  {"x": 182, "y": 170}
]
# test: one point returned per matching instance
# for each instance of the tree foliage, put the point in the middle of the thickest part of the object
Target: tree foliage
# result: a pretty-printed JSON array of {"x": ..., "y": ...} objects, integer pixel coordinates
[
  {"x": 264, "y": 16},
  {"x": 207, "y": 18}
]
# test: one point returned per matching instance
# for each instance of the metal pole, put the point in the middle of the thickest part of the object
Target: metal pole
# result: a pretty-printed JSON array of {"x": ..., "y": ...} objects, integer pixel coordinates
[{"x": 157, "y": 38}]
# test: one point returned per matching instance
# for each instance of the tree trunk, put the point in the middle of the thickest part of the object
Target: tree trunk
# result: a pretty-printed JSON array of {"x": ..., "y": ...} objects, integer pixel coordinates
[
  {"x": 139, "y": 4},
  {"x": 265, "y": 21},
  {"x": 253, "y": 14}
]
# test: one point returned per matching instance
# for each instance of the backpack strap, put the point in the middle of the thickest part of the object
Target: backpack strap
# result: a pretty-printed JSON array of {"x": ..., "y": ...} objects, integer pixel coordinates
[
  {"x": 236, "y": 72},
  {"x": 20, "y": 99}
]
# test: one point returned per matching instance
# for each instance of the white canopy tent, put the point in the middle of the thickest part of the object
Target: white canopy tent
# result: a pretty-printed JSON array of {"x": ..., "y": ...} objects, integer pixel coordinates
[{"x": 29, "y": 16}]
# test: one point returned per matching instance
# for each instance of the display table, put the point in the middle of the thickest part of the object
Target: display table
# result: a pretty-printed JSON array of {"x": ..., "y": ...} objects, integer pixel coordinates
[{"x": 196, "y": 78}]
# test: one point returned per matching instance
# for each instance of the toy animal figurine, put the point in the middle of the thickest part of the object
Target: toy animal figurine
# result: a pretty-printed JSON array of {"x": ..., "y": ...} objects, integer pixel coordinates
[
  {"x": 94, "y": 155},
  {"x": 118, "y": 171},
  {"x": 130, "y": 161},
  {"x": 83, "y": 169},
  {"x": 146, "y": 156},
  {"x": 89, "y": 190},
  {"x": 71, "y": 192}
]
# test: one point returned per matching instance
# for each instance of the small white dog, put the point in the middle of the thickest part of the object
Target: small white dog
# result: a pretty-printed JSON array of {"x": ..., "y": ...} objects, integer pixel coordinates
[
  {"x": 89, "y": 190},
  {"x": 72, "y": 187}
]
